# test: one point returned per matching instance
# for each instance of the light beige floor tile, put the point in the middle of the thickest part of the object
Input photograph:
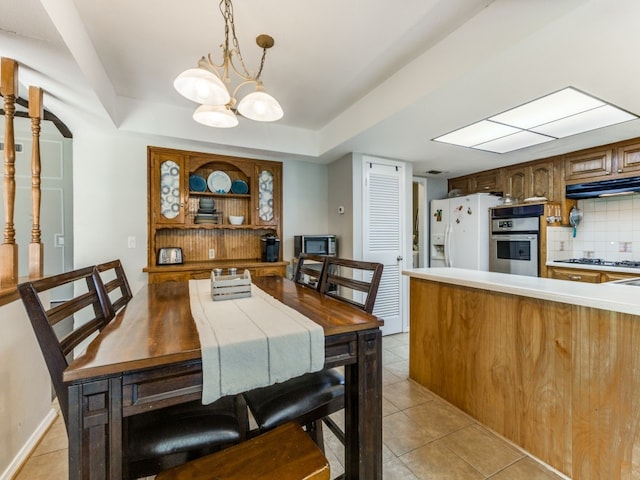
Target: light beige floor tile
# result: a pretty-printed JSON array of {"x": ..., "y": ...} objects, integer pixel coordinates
[
  {"x": 438, "y": 418},
  {"x": 332, "y": 443},
  {"x": 407, "y": 394},
  {"x": 399, "y": 368},
  {"x": 54, "y": 439},
  {"x": 487, "y": 453},
  {"x": 391, "y": 341},
  {"x": 525, "y": 469},
  {"x": 437, "y": 462},
  {"x": 389, "y": 378},
  {"x": 401, "y": 434},
  {"x": 401, "y": 351},
  {"x": 53, "y": 465},
  {"x": 396, "y": 470},
  {"x": 390, "y": 357},
  {"x": 388, "y": 408}
]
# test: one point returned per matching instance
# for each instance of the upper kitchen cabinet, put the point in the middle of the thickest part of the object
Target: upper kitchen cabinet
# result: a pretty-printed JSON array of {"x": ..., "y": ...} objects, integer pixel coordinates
[
  {"x": 588, "y": 165},
  {"x": 489, "y": 181},
  {"x": 530, "y": 180},
  {"x": 603, "y": 163}
]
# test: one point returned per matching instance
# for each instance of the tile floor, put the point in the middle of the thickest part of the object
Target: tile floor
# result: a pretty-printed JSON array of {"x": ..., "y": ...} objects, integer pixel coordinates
[{"x": 424, "y": 437}]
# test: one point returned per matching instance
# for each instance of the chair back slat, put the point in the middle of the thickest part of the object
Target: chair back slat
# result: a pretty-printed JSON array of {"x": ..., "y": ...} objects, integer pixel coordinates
[
  {"x": 118, "y": 283},
  {"x": 309, "y": 270},
  {"x": 88, "y": 311},
  {"x": 347, "y": 279}
]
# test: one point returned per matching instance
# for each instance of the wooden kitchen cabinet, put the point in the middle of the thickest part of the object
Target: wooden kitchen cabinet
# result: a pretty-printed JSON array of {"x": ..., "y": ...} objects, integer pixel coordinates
[
  {"x": 530, "y": 180},
  {"x": 172, "y": 210},
  {"x": 488, "y": 181},
  {"x": 588, "y": 276},
  {"x": 574, "y": 274},
  {"x": 604, "y": 163}
]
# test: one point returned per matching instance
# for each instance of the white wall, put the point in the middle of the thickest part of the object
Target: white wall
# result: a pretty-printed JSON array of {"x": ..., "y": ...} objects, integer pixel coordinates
[
  {"x": 25, "y": 396},
  {"x": 110, "y": 198}
]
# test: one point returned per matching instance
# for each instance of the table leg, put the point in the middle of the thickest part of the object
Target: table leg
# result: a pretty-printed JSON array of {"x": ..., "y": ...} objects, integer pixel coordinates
[
  {"x": 363, "y": 410},
  {"x": 95, "y": 430}
]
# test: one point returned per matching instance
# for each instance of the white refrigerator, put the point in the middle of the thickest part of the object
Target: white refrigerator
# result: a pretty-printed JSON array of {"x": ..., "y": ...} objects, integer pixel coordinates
[{"x": 460, "y": 231}]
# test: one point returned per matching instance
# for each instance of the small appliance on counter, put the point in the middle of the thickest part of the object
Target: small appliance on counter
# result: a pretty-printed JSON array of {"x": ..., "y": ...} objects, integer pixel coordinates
[
  {"x": 169, "y": 256},
  {"x": 270, "y": 247}
]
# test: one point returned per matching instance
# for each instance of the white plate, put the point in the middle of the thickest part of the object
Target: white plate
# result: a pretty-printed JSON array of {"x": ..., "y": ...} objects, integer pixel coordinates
[
  {"x": 219, "y": 182},
  {"x": 536, "y": 199}
]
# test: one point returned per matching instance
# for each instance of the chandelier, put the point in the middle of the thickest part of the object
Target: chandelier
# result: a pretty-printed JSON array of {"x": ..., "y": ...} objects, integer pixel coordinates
[{"x": 210, "y": 83}]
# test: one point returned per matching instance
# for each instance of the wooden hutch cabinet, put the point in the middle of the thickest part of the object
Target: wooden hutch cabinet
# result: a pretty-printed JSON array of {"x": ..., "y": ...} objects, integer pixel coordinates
[{"x": 172, "y": 210}]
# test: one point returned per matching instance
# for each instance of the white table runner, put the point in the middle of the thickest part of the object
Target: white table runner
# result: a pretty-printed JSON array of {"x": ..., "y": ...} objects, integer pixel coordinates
[{"x": 251, "y": 342}]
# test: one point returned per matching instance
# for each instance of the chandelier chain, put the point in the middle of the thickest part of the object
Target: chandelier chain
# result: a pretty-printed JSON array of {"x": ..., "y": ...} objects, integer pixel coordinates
[{"x": 227, "y": 14}]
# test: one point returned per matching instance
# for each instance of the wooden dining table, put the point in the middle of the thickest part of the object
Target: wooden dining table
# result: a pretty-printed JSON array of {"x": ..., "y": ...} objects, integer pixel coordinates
[{"x": 148, "y": 357}]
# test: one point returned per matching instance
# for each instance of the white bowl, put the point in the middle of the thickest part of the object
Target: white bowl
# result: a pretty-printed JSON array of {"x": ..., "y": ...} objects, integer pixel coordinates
[{"x": 236, "y": 220}]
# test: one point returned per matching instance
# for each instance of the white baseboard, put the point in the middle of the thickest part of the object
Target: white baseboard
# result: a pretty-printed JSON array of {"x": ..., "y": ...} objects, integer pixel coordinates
[{"x": 26, "y": 450}]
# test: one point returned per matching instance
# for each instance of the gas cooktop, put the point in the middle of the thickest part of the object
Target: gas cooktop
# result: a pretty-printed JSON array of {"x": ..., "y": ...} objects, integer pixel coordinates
[{"x": 604, "y": 263}]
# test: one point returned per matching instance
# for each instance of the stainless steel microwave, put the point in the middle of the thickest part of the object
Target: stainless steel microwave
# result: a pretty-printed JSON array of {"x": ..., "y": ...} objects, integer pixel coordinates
[{"x": 315, "y": 245}]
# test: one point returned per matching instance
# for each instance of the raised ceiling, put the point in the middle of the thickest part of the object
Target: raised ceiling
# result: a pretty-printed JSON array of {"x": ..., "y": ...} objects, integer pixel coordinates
[{"x": 364, "y": 76}]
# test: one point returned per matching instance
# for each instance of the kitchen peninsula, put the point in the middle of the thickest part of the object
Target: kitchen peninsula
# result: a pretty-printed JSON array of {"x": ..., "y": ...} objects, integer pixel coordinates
[{"x": 553, "y": 366}]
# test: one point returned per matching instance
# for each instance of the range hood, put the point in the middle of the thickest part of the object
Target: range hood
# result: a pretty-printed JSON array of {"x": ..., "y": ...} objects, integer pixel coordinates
[{"x": 605, "y": 188}]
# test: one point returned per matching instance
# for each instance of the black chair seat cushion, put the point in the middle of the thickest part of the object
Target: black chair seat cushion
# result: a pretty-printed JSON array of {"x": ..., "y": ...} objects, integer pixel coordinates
[
  {"x": 189, "y": 427},
  {"x": 292, "y": 400}
]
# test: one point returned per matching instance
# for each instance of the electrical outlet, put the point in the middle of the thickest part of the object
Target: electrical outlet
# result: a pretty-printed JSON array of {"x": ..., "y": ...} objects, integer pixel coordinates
[
  {"x": 131, "y": 242},
  {"x": 212, "y": 253}
]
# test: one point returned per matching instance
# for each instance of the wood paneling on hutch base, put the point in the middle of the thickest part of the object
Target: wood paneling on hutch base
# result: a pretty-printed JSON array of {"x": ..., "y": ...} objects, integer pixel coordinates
[
  {"x": 172, "y": 209},
  {"x": 561, "y": 381}
]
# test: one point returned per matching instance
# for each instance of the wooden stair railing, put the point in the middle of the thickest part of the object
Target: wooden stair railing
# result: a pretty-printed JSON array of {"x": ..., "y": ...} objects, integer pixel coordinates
[
  {"x": 9, "y": 247},
  {"x": 36, "y": 247}
]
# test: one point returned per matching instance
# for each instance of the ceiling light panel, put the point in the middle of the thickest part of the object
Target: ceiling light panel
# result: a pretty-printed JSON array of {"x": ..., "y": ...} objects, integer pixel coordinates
[
  {"x": 547, "y": 109},
  {"x": 476, "y": 133},
  {"x": 583, "y": 122},
  {"x": 516, "y": 141}
]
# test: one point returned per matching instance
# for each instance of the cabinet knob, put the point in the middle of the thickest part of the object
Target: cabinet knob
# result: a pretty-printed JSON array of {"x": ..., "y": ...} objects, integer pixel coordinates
[
  {"x": 576, "y": 278},
  {"x": 607, "y": 172},
  {"x": 619, "y": 170}
]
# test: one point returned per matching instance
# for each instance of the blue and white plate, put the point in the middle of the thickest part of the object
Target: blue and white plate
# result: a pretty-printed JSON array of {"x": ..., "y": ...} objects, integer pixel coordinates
[
  {"x": 239, "y": 187},
  {"x": 219, "y": 182},
  {"x": 197, "y": 183}
]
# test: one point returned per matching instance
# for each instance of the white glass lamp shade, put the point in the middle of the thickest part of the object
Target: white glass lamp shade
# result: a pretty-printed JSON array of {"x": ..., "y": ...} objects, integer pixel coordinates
[
  {"x": 215, "y": 116},
  {"x": 202, "y": 86},
  {"x": 260, "y": 106}
]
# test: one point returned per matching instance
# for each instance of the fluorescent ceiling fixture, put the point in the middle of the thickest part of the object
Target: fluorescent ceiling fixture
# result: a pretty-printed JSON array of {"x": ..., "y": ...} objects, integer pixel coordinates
[
  {"x": 516, "y": 141},
  {"x": 480, "y": 132},
  {"x": 560, "y": 114}
]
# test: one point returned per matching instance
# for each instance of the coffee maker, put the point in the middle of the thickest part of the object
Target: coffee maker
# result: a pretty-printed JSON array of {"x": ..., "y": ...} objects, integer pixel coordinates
[{"x": 270, "y": 247}]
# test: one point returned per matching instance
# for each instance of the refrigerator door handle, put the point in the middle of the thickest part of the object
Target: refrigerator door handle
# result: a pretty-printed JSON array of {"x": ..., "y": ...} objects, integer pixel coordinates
[{"x": 447, "y": 245}]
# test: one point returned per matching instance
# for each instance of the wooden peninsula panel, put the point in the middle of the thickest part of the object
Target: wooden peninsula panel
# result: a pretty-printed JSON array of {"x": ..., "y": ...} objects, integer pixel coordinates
[{"x": 562, "y": 381}]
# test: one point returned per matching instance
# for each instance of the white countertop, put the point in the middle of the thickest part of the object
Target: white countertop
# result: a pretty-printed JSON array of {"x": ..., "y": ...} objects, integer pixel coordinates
[{"x": 605, "y": 296}]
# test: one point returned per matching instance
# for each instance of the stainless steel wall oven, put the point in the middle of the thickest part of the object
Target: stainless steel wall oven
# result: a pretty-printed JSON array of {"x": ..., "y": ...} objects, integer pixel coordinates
[{"x": 514, "y": 239}]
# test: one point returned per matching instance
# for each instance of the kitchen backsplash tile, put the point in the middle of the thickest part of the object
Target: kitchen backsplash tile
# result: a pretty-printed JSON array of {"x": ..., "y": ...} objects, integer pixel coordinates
[{"x": 610, "y": 229}]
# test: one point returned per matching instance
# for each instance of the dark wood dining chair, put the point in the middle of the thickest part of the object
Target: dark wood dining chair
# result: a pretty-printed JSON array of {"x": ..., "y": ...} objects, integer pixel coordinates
[
  {"x": 155, "y": 440},
  {"x": 311, "y": 398},
  {"x": 353, "y": 281},
  {"x": 284, "y": 453},
  {"x": 309, "y": 270},
  {"x": 115, "y": 282}
]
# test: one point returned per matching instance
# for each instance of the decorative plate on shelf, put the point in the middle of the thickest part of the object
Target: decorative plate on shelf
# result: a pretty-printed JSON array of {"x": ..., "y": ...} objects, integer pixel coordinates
[
  {"x": 219, "y": 182},
  {"x": 197, "y": 183},
  {"x": 239, "y": 187},
  {"x": 536, "y": 199}
]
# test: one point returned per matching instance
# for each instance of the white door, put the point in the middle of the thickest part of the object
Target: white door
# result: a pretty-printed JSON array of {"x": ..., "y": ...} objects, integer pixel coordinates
[{"x": 383, "y": 237}]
